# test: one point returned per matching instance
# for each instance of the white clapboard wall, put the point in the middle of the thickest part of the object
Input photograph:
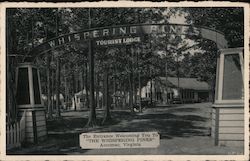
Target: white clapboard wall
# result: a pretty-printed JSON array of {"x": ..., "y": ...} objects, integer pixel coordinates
[{"x": 228, "y": 126}]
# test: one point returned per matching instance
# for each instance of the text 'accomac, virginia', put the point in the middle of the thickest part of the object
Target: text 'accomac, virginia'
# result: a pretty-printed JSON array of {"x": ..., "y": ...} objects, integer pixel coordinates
[{"x": 119, "y": 140}]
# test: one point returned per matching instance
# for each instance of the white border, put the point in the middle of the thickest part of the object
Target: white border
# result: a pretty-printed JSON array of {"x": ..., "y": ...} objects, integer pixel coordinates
[{"x": 124, "y": 157}]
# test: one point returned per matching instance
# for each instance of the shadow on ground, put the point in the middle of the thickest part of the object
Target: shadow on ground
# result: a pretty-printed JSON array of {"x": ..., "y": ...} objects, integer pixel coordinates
[
  {"x": 167, "y": 124},
  {"x": 63, "y": 134}
]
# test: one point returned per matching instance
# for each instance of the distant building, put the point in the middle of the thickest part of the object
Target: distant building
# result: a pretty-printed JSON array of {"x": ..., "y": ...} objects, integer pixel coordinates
[
  {"x": 45, "y": 99},
  {"x": 184, "y": 90},
  {"x": 79, "y": 101}
]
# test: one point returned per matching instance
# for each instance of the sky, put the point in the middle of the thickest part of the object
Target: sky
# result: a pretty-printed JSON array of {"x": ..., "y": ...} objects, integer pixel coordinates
[
  {"x": 177, "y": 19},
  {"x": 180, "y": 19}
]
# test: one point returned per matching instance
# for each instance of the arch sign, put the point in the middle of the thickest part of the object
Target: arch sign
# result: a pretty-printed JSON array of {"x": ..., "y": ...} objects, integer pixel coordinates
[{"x": 128, "y": 34}]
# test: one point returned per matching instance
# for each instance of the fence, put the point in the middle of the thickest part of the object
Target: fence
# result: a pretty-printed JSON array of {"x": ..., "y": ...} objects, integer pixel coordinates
[{"x": 15, "y": 133}]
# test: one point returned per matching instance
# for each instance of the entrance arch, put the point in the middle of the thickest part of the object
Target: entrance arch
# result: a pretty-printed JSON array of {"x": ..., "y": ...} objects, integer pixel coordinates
[{"x": 136, "y": 31}]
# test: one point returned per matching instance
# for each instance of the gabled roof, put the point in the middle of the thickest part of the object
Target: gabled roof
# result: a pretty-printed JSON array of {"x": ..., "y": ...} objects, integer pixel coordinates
[
  {"x": 83, "y": 92},
  {"x": 186, "y": 83}
]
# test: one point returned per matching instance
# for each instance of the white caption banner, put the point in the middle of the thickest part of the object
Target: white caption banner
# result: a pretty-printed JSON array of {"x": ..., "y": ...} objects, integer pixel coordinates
[{"x": 119, "y": 140}]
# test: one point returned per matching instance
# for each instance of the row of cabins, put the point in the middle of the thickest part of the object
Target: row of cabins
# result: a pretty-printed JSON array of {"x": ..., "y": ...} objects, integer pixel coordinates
[
  {"x": 184, "y": 90},
  {"x": 174, "y": 90}
]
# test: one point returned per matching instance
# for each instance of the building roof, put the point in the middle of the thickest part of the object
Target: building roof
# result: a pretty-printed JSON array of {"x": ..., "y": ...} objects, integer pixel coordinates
[
  {"x": 83, "y": 92},
  {"x": 186, "y": 83}
]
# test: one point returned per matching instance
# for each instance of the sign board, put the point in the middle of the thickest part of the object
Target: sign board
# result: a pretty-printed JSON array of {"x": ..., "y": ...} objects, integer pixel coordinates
[
  {"x": 119, "y": 140},
  {"x": 108, "y": 33},
  {"x": 118, "y": 41}
]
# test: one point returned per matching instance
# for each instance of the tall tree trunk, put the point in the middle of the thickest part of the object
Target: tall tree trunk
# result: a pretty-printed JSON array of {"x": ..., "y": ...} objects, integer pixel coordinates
[
  {"x": 114, "y": 91},
  {"x": 11, "y": 90},
  {"x": 76, "y": 81},
  {"x": 74, "y": 87},
  {"x": 52, "y": 86},
  {"x": 92, "y": 112},
  {"x": 57, "y": 68},
  {"x": 139, "y": 81},
  {"x": 65, "y": 88},
  {"x": 166, "y": 72},
  {"x": 97, "y": 90},
  {"x": 133, "y": 78},
  {"x": 131, "y": 81},
  {"x": 131, "y": 92},
  {"x": 11, "y": 46},
  {"x": 58, "y": 82},
  {"x": 82, "y": 86},
  {"x": 48, "y": 87},
  {"x": 155, "y": 91},
  {"x": 125, "y": 96},
  {"x": 178, "y": 78},
  {"x": 107, "y": 115},
  {"x": 86, "y": 84},
  {"x": 103, "y": 91},
  {"x": 151, "y": 88}
]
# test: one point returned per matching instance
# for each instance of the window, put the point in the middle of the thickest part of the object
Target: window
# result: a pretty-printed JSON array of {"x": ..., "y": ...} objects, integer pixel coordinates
[
  {"x": 232, "y": 78},
  {"x": 23, "y": 93},
  {"x": 36, "y": 86}
]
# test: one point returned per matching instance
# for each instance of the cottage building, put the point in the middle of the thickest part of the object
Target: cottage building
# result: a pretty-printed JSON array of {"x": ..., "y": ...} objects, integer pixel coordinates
[
  {"x": 79, "y": 100},
  {"x": 184, "y": 90}
]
